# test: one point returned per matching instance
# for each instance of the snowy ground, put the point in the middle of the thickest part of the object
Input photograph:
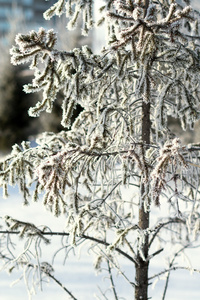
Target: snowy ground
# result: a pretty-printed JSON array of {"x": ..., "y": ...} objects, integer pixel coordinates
[{"x": 78, "y": 275}]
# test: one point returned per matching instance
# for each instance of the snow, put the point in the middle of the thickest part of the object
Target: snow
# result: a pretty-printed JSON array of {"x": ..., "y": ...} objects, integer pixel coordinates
[{"x": 78, "y": 275}]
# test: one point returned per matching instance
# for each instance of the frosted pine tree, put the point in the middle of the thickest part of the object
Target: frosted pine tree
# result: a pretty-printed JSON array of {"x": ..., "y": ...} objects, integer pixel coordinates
[{"x": 118, "y": 167}]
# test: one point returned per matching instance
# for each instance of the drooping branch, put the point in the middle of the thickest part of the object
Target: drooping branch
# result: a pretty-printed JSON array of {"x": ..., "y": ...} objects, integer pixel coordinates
[
  {"x": 86, "y": 237},
  {"x": 46, "y": 269}
]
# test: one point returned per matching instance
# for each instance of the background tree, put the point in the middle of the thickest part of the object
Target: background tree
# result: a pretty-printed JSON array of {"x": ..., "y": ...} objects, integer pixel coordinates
[
  {"x": 118, "y": 165},
  {"x": 15, "y": 124}
]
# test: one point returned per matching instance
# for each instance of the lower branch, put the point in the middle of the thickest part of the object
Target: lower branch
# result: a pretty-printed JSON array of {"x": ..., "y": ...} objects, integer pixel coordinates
[
  {"x": 174, "y": 269},
  {"x": 46, "y": 272},
  {"x": 86, "y": 237}
]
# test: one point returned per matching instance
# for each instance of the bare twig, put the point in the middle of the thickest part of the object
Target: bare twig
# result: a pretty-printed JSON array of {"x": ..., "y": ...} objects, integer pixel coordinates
[
  {"x": 161, "y": 225},
  {"x": 173, "y": 269},
  {"x": 61, "y": 285},
  {"x": 112, "y": 281}
]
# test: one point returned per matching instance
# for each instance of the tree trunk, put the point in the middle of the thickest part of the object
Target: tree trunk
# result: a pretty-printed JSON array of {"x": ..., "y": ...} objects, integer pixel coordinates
[
  {"x": 141, "y": 277},
  {"x": 142, "y": 268}
]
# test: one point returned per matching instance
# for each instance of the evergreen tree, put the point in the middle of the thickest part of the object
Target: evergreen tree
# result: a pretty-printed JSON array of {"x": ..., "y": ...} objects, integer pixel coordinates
[{"x": 119, "y": 164}]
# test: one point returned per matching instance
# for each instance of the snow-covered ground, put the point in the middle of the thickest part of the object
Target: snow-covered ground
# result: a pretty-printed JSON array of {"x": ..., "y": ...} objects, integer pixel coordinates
[{"x": 78, "y": 275}]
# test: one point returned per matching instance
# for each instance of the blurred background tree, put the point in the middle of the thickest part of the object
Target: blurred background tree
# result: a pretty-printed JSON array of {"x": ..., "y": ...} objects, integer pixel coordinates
[{"x": 15, "y": 124}]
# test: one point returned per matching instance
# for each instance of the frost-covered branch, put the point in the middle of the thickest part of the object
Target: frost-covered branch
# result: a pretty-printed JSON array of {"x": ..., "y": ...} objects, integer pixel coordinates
[
  {"x": 174, "y": 269},
  {"x": 42, "y": 234}
]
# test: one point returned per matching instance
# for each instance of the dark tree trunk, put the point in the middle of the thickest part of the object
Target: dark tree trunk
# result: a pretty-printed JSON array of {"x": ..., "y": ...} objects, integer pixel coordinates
[
  {"x": 141, "y": 277},
  {"x": 142, "y": 268}
]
